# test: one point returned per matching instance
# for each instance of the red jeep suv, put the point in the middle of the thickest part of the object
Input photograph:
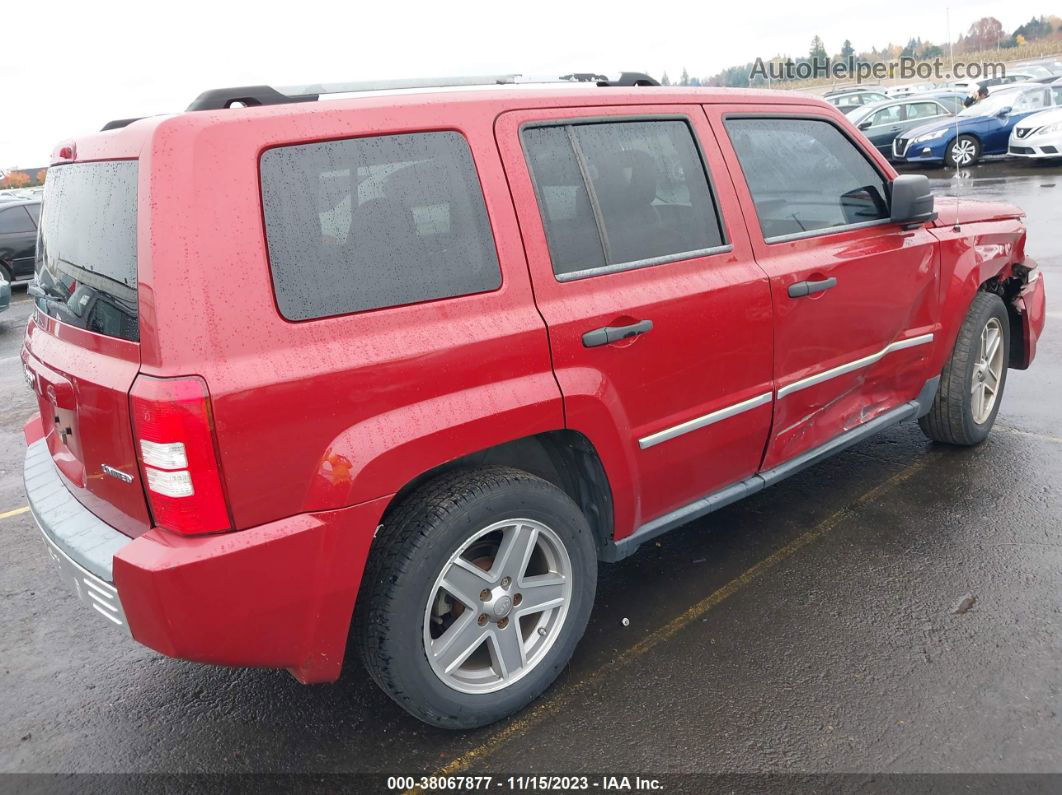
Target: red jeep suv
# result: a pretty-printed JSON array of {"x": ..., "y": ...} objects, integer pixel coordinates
[{"x": 406, "y": 364}]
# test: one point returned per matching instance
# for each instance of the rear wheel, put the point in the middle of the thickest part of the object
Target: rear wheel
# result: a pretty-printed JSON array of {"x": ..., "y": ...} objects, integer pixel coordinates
[
  {"x": 477, "y": 592},
  {"x": 963, "y": 151},
  {"x": 971, "y": 385}
]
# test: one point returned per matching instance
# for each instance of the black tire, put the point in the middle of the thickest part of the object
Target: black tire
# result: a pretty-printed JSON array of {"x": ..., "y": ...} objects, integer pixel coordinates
[
  {"x": 7, "y": 273},
  {"x": 949, "y": 157},
  {"x": 416, "y": 542},
  {"x": 951, "y": 419}
]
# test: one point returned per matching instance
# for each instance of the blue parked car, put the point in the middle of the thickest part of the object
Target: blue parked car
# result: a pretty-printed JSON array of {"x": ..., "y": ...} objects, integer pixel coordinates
[{"x": 981, "y": 129}]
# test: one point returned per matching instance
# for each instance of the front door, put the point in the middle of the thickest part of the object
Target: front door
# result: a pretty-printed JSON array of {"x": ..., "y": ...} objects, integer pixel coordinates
[
  {"x": 659, "y": 319},
  {"x": 855, "y": 296}
]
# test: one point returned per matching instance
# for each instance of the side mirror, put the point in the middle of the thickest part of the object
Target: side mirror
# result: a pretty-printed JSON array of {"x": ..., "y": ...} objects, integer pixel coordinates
[
  {"x": 864, "y": 125},
  {"x": 1002, "y": 113},
  {"x": 911, "y": 202}
]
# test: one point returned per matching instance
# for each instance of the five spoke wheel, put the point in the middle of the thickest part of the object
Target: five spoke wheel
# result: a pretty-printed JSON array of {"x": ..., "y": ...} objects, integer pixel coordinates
[
  {"x": 497, "y": 606},
  {"x": 987, "y": 371}
]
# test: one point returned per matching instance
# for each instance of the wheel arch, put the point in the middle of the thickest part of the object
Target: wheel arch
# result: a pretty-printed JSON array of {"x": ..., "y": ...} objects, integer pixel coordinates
[
  {"x": 1008, "y": 286},
  {"x": 564, "y": 457}
]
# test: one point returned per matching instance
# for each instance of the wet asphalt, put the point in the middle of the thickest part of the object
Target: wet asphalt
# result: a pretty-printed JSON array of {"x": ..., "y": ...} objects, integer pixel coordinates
[{"x": 895, "y": 609}]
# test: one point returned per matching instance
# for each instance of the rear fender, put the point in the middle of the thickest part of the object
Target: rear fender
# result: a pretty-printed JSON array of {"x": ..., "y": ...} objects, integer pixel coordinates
[{"x": 383, "y": 453}]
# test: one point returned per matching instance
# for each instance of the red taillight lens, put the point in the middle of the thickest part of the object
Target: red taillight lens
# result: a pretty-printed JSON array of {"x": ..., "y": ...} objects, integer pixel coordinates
[{"x": 174, "y": 433}]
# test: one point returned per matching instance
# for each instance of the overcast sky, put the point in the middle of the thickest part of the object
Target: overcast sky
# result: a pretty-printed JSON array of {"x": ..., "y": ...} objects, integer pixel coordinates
[{"x": 69, "y": 67}]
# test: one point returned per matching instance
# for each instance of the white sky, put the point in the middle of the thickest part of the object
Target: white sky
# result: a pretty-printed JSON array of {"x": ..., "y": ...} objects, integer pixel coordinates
[{"x": 69, "y": 67}]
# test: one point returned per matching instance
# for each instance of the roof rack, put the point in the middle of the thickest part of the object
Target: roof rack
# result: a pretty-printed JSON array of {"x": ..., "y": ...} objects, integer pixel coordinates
[
  {"x": 116, "y": 124},
  {"x": 254, "y": 96}
]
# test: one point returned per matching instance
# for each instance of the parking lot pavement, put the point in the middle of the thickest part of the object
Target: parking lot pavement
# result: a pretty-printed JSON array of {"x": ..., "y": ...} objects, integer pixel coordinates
[{"x": 894, "y": 609}]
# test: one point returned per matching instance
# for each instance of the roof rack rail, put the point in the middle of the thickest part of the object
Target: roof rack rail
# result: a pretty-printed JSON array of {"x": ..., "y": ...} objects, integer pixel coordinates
[
  {"x": 116, "y": 124},
  {"x": 254, "y": 96}
]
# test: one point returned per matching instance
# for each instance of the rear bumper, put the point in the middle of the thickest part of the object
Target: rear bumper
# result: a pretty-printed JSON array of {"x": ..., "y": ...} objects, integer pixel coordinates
[
  {"x": 280, "y": 595},
  {"x": 78, "y": 542}
]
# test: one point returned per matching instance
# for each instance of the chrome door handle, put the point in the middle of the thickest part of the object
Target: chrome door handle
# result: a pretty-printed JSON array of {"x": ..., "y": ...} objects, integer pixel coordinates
[
  {"x": 800, "y": 289},
  {"x": 607, "y": 334}
]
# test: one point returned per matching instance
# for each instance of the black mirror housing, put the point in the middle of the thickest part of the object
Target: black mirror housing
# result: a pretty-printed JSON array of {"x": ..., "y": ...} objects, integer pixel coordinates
[
  {"x": 911, "y": 200},
  {"x": 1004, "y": 112},
  {"x": 865, "y": 125}
]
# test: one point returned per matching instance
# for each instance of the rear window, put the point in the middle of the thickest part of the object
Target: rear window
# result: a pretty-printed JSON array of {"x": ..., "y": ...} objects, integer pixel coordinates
[
  {"x": 367, "y": 223},
  {"x": 86, "y": 248},
  {"x": 15, "y": 220}
]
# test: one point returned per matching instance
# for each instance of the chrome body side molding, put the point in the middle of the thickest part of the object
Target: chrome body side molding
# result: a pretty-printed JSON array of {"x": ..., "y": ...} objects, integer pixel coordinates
[
  {"x": 618, "y": 550},
  {"x": 702, "y": 422},
  {"x": 858, "y": 364}
]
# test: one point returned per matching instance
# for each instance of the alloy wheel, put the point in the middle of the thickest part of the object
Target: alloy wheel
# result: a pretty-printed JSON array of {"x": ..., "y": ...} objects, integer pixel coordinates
[
  {"x": 963, "y": 151},
  {"x": 498, "y": 606},
  {"x": 987, "y": 372}
]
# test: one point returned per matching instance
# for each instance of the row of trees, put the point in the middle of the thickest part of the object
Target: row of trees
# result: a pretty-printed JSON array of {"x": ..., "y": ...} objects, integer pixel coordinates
[
  {"x": 18, "y": 178},
  {"x": 984, "y": 35}
]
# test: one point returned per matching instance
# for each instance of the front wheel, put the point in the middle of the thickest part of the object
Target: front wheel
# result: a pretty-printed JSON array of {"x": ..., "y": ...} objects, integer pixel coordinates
[
  {"x": 971, "y": 385},
  {"x": 963, "y": 151},
  {"x": 477, "y": 591}
]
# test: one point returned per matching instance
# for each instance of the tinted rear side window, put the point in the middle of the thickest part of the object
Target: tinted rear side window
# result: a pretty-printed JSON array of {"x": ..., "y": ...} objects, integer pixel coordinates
[
  {"x": 86, "y": 249},
  {"x": 567, "y": 215},
  {"x": 805, "y": 175},
  {"x": 621, "y": 194},
  {"x": 367, "y": 223},
  {"x": 15, "y": 220}
]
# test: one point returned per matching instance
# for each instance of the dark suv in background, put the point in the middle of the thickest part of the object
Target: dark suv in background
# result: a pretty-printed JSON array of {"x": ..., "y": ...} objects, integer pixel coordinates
[{"x": 18, "y": 238}]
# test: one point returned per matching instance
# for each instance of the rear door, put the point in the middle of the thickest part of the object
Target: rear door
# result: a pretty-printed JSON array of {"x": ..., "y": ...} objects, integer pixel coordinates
[
  {"x": 855, "y": 299},
  {"x": 82, "y": 347},
  {"x": 659, "y": 319}
]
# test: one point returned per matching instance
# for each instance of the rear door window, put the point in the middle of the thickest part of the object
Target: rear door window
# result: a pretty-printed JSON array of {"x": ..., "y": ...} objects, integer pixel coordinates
[
  {"x": 367, "y": 223},
  {"x": 923, "y": 110},
  {"x": 890, "y": 115},
  {"x": 86, "y": 251},
  {"x": 805, "y": 176},
  {"x": 1035, "y": 99},
  {"x": 14, "y": 220},
  {"x": 620, "y": 195}
]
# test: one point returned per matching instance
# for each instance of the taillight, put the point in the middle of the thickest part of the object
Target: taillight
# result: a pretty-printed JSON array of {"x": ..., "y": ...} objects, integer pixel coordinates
[{"x": 174, "y": 432}]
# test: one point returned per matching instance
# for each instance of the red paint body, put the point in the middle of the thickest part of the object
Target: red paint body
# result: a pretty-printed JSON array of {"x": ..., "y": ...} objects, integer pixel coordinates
[{"x": 318, "y": 424}]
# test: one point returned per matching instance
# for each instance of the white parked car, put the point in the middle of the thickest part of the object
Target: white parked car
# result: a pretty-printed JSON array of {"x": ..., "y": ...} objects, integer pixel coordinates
[{"x": 1039, "y": 135}]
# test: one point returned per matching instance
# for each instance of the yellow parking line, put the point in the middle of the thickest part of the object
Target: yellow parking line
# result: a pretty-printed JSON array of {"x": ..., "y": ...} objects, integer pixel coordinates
[
  {"x": 567, "y": 694},
  {"x": 16, "y": 512}
]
